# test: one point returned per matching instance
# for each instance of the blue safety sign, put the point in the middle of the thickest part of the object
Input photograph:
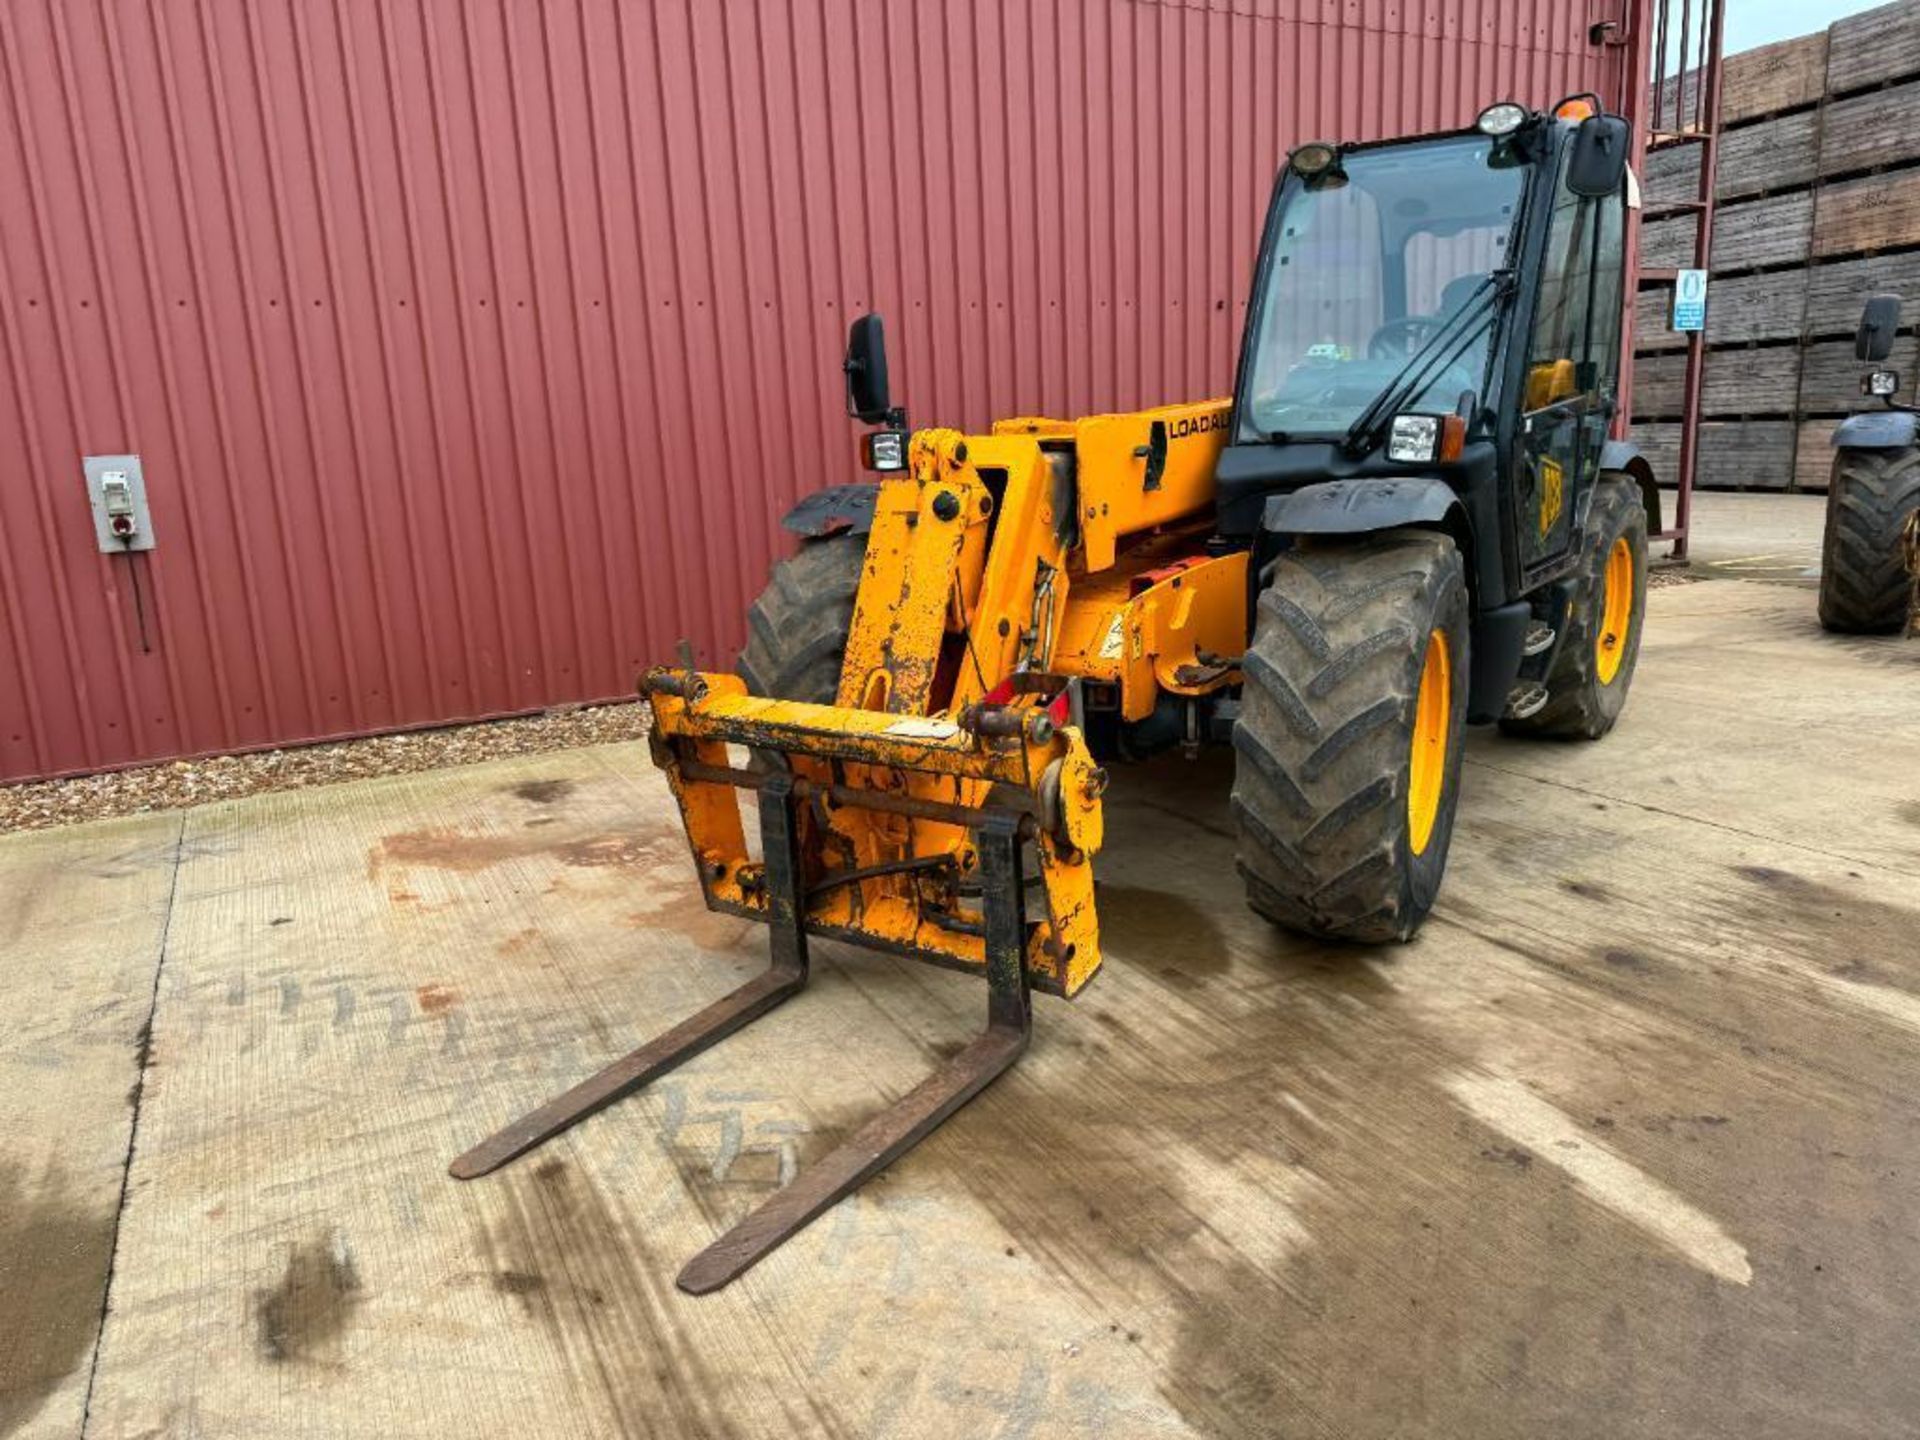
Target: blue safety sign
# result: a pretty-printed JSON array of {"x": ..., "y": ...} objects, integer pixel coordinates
[{"x": 1690, "y": 300}]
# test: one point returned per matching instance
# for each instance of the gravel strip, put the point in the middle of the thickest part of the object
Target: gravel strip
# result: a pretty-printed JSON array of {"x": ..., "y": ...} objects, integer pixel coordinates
[{"x": 41, "y": 804}]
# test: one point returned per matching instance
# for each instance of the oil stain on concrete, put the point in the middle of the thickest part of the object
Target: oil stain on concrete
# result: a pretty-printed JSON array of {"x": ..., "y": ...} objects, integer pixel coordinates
[
  {"x": 645, "y": 868},
  {"x": 1160, "y": 924},
  {"x": 1842, "y": 926},
  {"x": 464, "y": 852},
  {"x": 542, "y": 792},
  {"x": 54, "y": 1255},
  {"x": 304, "y": 1317},
  {"x": 569, "y": 1263}
]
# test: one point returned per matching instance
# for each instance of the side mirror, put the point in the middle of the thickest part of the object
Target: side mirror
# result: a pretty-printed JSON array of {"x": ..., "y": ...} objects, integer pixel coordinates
[
  {"x": 866, "y": 367},
  {"x": 1599, "y": 160},
  {"x": 1879, "y": 323}
]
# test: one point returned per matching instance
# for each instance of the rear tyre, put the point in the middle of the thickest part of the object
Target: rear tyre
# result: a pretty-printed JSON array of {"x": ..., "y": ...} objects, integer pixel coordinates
[
  {"x": 1352, "y": 718},
  {"x": 797, "y": 629},
  {"x": 1864, "y": 588},
  {"x": 1594, "y": 664}
]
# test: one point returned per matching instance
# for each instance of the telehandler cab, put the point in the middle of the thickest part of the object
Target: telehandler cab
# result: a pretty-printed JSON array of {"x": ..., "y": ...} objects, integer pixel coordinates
[{"x": 1409, "y": 518}]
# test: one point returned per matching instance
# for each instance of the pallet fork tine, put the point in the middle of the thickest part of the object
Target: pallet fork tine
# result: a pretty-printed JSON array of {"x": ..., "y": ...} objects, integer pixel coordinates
[{"x": 882, "y": 1139}]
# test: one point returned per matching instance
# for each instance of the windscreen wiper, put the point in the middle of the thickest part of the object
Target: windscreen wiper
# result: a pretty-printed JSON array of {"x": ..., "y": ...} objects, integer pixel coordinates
[
  {"x": 1447, "y": 340},
  {"x": 1446, "y": 345}
]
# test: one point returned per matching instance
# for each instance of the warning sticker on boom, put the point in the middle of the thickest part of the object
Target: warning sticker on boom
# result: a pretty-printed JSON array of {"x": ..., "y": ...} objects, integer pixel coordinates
[
  {"x": 916, "y": 727},
  {"x": 1115, "y": 643}
]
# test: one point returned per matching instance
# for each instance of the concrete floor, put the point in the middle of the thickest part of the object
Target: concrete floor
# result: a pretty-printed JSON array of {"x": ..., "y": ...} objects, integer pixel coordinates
[
  {"x": 1754, "y": 536},
  {"x": 1622, "y": 1146}
]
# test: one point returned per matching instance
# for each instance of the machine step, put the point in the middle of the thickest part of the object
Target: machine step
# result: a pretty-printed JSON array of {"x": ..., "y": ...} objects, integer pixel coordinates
[
  {"x": 1539, "y": 638},
  {"x": 1526, "y": 699}
]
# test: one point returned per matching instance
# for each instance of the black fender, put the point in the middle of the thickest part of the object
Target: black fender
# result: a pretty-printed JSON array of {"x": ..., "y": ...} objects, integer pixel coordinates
[
  {"x": 1358, "y": 507},
  {"x": 1877, "y": 430},
  {"x": 837, "y": 508},
  {"x": 1625, "y": 457}
]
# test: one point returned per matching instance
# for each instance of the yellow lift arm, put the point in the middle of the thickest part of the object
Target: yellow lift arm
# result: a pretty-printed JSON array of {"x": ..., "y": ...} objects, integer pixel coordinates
[{"x": 1000, "y": 570}]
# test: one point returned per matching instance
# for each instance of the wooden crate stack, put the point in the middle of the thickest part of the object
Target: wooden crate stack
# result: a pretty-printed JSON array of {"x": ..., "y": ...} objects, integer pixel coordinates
[{"x": 1818, "y": 206}]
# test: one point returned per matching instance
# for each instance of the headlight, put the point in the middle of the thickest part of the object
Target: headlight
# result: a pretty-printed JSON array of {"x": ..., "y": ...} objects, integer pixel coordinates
[
  {"x": 884, "y": 450},
  {"x": 1882, "y": 382},
  {"x": 1501, "y": 118},
  {"x": 1414, "y": 439}
]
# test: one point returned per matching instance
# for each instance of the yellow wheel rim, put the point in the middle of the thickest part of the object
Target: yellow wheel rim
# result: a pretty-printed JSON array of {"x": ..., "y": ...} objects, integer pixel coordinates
[
  {"x": 1616, "y": 612},
  {"x": 1427, "y": 765}
]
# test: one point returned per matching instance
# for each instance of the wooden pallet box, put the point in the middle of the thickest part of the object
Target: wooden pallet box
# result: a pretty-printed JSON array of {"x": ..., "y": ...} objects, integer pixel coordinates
[
  {"x": 1881, "y": 127},
  {"x": 1734, "y": 382},
  {"x": 1777, "y": 154},
  {"x": 1774, "y": 77},
  {"x": 1772, "y": 231},
  {"x": 1818, "y": 194},
  {"x": 1830, "y": 376},
  {"x": 1835, "y": 293},
  {"x": 1875, "y": 212},
  {"x": 1813, "y": 455},
  {"x": 1740, "y": 309},
  {"x": 1733, "y": 455},
  {"x": 1822, "y": 302},
  {"x": 1874, "y": 47},
  {"x": 1786, "y": 75}
]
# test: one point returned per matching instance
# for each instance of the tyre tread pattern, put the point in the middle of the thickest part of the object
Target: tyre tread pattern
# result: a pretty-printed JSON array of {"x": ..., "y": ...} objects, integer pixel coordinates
[
  {"x": 797, "y": 629},
  {"x": 1864, "y": 588},
  {"x": 1330, "y": 674},
  {"x": 1578, "y": 707}
]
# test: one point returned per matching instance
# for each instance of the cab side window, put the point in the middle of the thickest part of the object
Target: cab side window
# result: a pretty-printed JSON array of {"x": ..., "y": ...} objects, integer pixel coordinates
[
  {"x": 1572, "y": 367},
  {"x": 1577, "y": 324},
  {"x": 1559, "y": 359},
  {"x": 1609, "y": 276}
]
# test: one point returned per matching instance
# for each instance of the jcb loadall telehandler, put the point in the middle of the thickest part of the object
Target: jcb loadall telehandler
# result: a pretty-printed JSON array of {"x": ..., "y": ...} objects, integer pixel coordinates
[{"x": 1408, "y": 518}]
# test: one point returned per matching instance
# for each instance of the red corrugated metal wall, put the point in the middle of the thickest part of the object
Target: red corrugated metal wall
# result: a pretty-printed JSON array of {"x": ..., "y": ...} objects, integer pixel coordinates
[{"x": 472, "y": 349}]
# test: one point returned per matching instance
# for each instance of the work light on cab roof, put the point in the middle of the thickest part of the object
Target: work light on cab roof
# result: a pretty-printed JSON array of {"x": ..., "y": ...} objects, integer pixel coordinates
[
  {"x": 1501, "y": 118},
  {"x": 1314, "y": 160}
]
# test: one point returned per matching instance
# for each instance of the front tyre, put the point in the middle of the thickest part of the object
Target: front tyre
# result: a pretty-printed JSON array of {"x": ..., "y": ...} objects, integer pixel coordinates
[
  {"x": 1352, "y": 718},
  {"x": 1864, "y": 589},
  {"x": 797, "y": 630},
  {"x": 1594, "y": 664}
]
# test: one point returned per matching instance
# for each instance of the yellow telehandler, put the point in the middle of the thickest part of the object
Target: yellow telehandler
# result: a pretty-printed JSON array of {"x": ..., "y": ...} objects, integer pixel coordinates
[{"x": 1409, "y": 517}]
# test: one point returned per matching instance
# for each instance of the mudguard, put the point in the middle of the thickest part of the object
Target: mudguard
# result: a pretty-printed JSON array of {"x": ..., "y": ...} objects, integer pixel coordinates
[
  {"x": 1877, "y": 430},
  {"x": 1625, "y": 456},
  {"x": 1357, "y": 507},
  {"x": 835, "y": 509}
]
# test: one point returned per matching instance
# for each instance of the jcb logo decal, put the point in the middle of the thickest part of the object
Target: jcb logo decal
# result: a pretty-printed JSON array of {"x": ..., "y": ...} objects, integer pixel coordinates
[
  {"x": 1553, "y": 492},
  {"x": 1197, "y": 425}
]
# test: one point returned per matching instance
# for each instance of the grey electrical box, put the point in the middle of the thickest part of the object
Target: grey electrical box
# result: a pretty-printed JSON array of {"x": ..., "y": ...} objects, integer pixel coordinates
[{"x": 119, "y": 498}]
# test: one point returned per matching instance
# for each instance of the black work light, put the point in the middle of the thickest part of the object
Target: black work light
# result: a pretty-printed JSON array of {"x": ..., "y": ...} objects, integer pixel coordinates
[
  {"x": 884, "y": 450},
  {"x": 1314, "y": 159}
]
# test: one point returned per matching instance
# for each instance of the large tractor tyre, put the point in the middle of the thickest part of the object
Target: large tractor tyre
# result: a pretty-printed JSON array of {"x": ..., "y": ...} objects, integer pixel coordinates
[
  {"x": 797, "y": 629},
  {"x": 1352, "y": 717},
  {"x": 1593, "y": 668},
  {"x": 1864, "y": 588}
]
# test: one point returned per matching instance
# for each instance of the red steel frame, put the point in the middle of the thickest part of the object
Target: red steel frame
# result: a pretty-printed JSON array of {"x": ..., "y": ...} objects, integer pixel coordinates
[{"x": 1695, "y": 121}]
